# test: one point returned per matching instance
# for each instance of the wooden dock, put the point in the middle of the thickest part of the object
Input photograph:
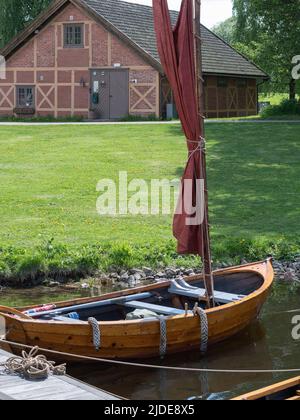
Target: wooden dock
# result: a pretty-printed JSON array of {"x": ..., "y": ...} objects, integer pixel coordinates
[{"x": 54, "y": 388}]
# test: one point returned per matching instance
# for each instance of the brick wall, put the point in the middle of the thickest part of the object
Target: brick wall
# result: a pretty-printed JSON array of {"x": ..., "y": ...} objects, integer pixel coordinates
[{"x": 56, "y": 72}]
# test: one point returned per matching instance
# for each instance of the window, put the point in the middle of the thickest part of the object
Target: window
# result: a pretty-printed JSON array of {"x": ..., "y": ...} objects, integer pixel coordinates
[
  {"x": 25, "y": 97},
  {"x": 73, "y": 36}
]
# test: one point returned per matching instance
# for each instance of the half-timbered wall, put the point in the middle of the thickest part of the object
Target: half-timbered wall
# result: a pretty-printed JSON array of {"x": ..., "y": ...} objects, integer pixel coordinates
[
  {"x": 224, "y": 97},
  {"x": 61, "y": 76},
  {"x": 230, "y": 97}
]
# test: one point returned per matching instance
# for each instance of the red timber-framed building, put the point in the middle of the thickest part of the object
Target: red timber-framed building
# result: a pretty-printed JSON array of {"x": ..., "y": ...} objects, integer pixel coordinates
[{"x": 98, "y": 59}]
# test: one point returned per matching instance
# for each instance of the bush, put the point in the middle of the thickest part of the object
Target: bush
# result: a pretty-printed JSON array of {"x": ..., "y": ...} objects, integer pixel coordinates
[
  {"x": 139, "y": 118},
  {"x": 286, "y": 107},
  {"x": 28, "y": 267},
  {"x": 45, "y": 119}
]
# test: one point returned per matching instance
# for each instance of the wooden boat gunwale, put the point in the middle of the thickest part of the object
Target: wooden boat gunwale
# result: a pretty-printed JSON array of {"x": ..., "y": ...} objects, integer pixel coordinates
[
  {"x": 270, "y": 390},
  {"x": 252, "y": 268}
]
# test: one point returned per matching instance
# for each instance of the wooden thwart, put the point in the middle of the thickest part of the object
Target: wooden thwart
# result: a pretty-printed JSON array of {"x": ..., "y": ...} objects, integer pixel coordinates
[
  {"x": 163, "y": 310},
  {"x": 186, "y": 290}
]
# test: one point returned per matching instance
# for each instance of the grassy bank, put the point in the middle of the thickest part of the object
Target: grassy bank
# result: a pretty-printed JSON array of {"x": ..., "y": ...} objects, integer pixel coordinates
[
  {"x": 31, "y": 266},
  {"x": 48, "y": 178}
]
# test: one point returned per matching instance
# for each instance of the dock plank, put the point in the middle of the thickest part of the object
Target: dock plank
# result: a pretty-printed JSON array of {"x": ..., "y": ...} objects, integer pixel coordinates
[{"x": 13, "y": 387}]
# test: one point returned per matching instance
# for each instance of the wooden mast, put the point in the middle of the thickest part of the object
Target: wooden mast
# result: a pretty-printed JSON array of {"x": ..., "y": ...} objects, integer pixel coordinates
[{"x": 207, "y": 264}]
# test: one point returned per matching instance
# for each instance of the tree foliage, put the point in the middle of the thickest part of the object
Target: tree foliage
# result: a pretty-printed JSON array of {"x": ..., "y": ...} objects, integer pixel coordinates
[
  {"x": 16, "y": 14},
  {"x": 226, "y": 30},
  {"x": 270, "y": 29}
]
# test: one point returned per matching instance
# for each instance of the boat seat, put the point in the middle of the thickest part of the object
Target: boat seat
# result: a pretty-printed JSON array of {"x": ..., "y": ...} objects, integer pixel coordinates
[
  {"x": 163, "y": 310},
  {"x": 65, "y": 319},
  {"x": 182, "y": 288}
]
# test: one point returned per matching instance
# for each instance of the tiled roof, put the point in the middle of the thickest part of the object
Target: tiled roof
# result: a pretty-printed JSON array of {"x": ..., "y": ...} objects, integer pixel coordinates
[{"x": 136, "y": 22}]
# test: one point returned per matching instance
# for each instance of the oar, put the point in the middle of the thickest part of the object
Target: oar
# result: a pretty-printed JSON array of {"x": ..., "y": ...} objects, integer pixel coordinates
[
  {"x": 12, "y": 311},
  {"x": 92, "y": 305}
]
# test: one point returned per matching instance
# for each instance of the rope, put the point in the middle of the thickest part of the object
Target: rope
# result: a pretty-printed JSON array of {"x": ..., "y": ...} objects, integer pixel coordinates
[
  {"x": 163, "y": 337},
  {"x": 204, "y": 328},
  {"x": 96, "y": 332},
  {"x": 32, "y": 366},
  {"x": 200, "y": 148},
  {"x": 147, "y": 366}
]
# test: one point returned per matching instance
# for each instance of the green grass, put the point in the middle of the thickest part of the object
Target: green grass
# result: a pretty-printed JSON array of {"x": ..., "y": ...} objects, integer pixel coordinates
[{"x": 48, "y": 178}]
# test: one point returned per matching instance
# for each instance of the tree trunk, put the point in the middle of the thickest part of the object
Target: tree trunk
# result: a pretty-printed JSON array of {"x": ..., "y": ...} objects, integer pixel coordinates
[{"x": 293, "y": 90}]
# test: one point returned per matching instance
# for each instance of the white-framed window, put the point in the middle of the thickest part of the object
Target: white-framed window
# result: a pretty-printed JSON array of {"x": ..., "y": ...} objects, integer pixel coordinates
[
  {"x": 74, "y": 35},
  {"x": 25, "y": 97}
]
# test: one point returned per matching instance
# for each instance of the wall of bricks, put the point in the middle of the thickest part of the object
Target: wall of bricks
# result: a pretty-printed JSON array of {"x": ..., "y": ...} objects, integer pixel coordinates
[{"x": 57, "y": 73}]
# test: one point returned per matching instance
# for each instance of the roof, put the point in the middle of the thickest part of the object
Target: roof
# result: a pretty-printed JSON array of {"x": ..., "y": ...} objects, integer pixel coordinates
[
  {"x": 134, "y": 24},
  {"x": 136, "y": 21}
]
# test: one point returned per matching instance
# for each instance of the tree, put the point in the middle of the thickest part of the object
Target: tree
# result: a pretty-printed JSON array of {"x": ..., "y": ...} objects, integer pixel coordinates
[
  {"x": 226, "y": 30},
  {"x": 270, "y": 29},
  {"x": 16, "y": 14}
]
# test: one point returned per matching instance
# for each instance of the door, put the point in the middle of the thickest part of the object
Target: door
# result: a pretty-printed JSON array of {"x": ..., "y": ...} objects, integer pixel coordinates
[{"x": 110, "y": 93}]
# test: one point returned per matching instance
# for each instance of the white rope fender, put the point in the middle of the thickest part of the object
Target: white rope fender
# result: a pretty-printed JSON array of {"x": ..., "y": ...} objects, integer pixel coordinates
[
  {"x": 204, "y": 328},
  {"x": 96, "y": 333},
  {"x": 163, "y": 337}
]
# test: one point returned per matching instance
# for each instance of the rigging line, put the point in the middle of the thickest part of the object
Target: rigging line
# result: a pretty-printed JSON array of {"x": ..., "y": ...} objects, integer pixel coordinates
[{"x": 149, "y": 366}]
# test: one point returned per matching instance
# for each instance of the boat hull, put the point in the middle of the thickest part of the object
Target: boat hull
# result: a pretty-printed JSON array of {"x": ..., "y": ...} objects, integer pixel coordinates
[{"x": 141, "y": 339}]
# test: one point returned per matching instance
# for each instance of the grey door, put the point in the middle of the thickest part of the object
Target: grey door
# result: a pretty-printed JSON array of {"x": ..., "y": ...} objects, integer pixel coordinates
[{"x": 110, "y": 93}]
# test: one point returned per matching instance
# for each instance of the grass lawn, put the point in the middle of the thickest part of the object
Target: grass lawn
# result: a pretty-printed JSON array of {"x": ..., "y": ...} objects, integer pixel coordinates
[{"x": 48, "y": 178}]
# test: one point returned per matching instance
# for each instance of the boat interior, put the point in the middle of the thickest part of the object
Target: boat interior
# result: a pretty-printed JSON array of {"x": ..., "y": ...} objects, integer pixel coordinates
[{"x": 177, "y": 298}]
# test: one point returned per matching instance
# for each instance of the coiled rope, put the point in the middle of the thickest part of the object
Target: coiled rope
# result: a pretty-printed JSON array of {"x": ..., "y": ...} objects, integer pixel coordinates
[
  {"x": 32, "y": 366},
  {"x": 96, "y": 333}
]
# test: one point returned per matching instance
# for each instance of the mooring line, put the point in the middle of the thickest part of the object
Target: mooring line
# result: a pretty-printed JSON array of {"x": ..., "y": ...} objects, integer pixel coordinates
[
  {"x": 148, "y": 366},
  {"x": 293, "y": 311}
]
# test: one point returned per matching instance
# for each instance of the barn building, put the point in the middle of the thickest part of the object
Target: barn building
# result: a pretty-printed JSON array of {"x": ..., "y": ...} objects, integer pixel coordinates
[{"x": 98, "y": 59}]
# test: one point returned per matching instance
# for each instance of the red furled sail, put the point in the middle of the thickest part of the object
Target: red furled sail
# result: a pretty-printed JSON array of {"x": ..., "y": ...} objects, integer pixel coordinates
[{"x": 180, "y": 60}]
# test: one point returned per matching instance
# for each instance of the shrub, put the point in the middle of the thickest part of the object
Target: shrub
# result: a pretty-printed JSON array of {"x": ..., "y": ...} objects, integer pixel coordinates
[
  {"x": 286, "y": 107},
  {"x": 138, "y": 118}
]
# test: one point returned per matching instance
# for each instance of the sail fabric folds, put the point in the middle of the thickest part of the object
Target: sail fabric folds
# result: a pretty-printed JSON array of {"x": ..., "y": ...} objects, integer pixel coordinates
[{"x": 176, "y": 47}]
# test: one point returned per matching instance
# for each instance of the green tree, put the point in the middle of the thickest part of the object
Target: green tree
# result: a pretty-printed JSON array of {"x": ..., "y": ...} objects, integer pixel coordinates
[
  {"x": 16, "y": 14},
  {"x": 226, "y": 30},
  {"x": 270, "y": 29}
]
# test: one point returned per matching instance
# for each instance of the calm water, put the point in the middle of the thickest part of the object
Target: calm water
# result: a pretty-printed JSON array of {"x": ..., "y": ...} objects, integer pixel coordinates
[{"x": 267, "y": 344}]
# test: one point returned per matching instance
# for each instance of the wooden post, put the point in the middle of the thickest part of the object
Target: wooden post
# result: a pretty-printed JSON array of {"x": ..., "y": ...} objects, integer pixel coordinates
[{"x": 207, "y": 264}]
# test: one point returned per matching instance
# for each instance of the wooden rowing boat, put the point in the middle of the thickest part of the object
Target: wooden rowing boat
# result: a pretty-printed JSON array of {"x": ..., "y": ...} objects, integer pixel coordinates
[
  {"x": 284, "y": 391},
  {"x": 240, "y": 293}
]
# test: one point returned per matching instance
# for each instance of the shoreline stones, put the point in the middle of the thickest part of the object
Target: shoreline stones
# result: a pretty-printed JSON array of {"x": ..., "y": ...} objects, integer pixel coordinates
[
  {"x": 285, "y": 271},
  {"x": 288, "y": 271}
]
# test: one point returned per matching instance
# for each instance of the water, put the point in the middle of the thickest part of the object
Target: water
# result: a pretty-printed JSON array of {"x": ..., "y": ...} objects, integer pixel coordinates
[{"x": 266, "y": 344}]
